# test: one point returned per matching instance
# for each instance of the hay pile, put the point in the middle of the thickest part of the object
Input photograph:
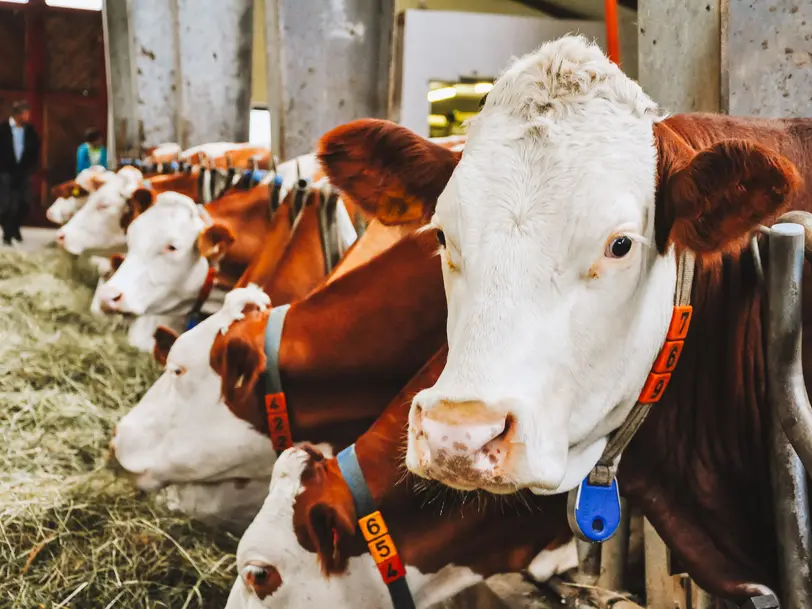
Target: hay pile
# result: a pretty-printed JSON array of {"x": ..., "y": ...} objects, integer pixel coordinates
[{"x": 71, "y": 534}]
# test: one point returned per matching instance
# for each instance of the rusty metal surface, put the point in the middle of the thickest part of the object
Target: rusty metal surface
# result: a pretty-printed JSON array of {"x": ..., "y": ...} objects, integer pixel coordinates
[{"x": 792, "y": 415}]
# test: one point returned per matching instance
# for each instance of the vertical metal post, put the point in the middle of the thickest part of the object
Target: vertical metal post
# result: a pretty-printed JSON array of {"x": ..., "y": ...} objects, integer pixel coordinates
[
  {"x": 785, "y": 375},
  {"x": 616, "y": 553}
]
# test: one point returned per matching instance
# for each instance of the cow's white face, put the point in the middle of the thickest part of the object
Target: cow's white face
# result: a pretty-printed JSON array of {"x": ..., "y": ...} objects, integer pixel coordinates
[
  {"x": 64, "y": 208},
  {"x": 557, "y": 298},
  {"x": 181, "y": 430},
  {"x": 97, "y": 224},
  {"x": 275, "y": 571},
  {"x": 163, "y": 271}
]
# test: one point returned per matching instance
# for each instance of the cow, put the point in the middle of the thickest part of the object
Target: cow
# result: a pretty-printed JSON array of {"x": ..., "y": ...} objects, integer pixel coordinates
[
  {"x": 306, "y": 548},
  {"x": 71, "y": 195},
  {"x": 163, "y": 153},
  {"x": 345, "y": 351},
  {"x": 561, "y": 229},
  {"x": 97, "y": 225},
  {"x": 170, "y": 254}
]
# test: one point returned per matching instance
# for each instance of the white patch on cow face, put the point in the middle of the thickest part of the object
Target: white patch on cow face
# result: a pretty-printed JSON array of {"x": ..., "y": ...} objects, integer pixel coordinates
[
  {"x": 163, "y": 271},
  {"x": 97, "y": 224},
  {"x": 181, "y": 430},
  {"x": 550, "y": 335},
  {"x": 64, "y": 208},
  {"x": 271, "y": 540}
]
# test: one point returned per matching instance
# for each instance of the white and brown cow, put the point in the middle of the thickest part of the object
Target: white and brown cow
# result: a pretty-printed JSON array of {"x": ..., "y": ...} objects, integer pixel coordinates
[
  {"x": 560, "y": 229},
  {"x": 97, "y": 225},
  {"x": 169, "y": 252},
  {"x": 71, "y": 195},
  {"x": 391, "y": 313},
  {"x": 305, "y": 549}
]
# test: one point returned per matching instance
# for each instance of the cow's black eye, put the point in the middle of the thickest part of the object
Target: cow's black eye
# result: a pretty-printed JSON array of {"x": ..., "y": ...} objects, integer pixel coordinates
[
  {"x": 441, "y": 238},
  {"x": 619, "y": 247}
]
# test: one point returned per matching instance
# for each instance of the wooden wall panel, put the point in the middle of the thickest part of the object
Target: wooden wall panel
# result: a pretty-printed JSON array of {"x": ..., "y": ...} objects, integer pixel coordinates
[
  {"x": 12, "y": 49},
  {"x": 64, "y": 130},
  {"x": 75, "y": 44}
]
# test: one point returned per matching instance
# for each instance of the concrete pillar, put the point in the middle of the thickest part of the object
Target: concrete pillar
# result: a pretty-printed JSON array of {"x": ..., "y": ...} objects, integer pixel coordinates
[
  {"x": 180, "y": 70},
  {"x": 679, "y": 53},
  {"x": 122, "y": 127},
  {"x": 215, "y": 66},
  {"x": 328, "y": 63},
  {"x": 769, "y": 58},
  {"x": 735, "y": 56}
]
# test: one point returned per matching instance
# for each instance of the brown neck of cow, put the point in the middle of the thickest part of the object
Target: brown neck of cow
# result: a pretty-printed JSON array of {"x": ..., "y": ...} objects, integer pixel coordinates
[
  {"x": 301, "y": 264},
  {"x": 353, "y": 344},
  {"x": 184, "y": 183},
  {"x": 276, "y": 239},
  {"x": 698, "y": 467},
  {"x": 247, "y": 213},
  {"x": 489, "y": 534}
]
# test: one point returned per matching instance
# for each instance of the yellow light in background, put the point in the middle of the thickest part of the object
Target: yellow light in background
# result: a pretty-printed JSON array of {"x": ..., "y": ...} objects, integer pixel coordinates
[
  {"x": 483, "y": 87},
  {"x": 437, "y": 120},
  {"x": 441, "y": 94}
]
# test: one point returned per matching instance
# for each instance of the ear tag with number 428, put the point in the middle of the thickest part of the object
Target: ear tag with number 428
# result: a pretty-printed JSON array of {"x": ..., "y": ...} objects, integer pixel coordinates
[{"x": 593, "y": 511}]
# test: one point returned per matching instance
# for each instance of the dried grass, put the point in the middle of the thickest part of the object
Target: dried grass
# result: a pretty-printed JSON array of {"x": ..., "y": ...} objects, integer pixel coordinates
[{"x": 71, "y": 533}]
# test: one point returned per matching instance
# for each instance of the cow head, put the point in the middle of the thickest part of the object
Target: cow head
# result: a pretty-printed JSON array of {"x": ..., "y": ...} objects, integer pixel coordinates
[
  {"x": 182, "y": 430},
  {"x": 169, "y": 250},
  {"x": 558, "y": 231},
  {"x": 98, "y": 224},
  {"x": 71, "y": 195},
  {"x": 301, "y": 548}
]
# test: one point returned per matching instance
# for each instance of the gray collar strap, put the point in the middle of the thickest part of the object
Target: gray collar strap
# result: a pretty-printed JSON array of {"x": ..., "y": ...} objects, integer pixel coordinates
[
  {"x": 276, "y": 404},
  {"x": 375, "y": 532},
  {"x": 273, "y": 338}
]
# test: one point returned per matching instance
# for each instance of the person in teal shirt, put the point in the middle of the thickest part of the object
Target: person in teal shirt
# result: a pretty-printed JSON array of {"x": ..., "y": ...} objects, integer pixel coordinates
[{"x": 92, "y": 151}]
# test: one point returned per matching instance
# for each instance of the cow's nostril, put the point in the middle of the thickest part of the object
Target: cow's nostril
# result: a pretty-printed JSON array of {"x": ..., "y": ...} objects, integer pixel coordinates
[
  {"x": 116, "y": 298},
  {"x": 60, "y": 238}
]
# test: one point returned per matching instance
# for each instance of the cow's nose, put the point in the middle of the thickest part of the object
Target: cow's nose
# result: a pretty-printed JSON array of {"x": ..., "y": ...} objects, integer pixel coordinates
[
  {"x": 110, "y": 297},
  {"x": 461, "y": 427},
  {"x": 462, "y": 440},
  {"x": 60, "y": 237}
]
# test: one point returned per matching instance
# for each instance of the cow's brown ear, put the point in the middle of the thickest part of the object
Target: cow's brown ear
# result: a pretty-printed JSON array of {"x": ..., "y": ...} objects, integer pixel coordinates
[
  {"x": 164, "y": 339},
  {"x": 331, "y": 527},
  {"x": 96, "y": 181},
  {"x": 709, "y": 200},
  {"x": 214, "y": 240},
  {"x": 391, "y": 172},
  {"x": 139, "y": 202},
  {"x": 115, "y": 261},
  {"x": 238, "y": 358}
]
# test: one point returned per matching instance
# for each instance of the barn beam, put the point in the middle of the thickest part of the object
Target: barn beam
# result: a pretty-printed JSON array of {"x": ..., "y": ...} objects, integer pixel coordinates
[
  {"x": 328, "y": 63},
  {"x": 180, "y": 71}
]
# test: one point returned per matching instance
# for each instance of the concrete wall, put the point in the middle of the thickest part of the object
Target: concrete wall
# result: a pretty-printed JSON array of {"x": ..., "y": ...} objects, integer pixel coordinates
[
  {"x": 180, "y": 70},
  {"x": 768, "y": 46},
  {"x": 328, "y": 63},
  {"x": 444, "y": 46}
]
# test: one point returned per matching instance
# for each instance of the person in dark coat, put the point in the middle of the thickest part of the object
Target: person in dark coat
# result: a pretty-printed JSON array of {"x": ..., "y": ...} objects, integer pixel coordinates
[{"x": 19, "y": 157}]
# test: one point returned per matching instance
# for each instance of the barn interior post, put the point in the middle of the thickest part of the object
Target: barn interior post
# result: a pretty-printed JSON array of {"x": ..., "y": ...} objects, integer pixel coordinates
[
  {"x": 180, "y": 72},
  {"x": 785, "y": 383},
  {"x": 328, "y": 63}
]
